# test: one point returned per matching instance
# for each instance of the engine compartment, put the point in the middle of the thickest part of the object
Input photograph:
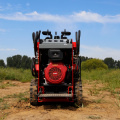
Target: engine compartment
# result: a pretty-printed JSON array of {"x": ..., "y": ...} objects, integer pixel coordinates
[{"x": 55, "y": 73}]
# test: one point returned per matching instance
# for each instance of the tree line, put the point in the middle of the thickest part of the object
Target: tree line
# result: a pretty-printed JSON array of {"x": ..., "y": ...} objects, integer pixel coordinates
[
  {"x": 109, "y": 61},
  {"x": 18, "y": 61}
]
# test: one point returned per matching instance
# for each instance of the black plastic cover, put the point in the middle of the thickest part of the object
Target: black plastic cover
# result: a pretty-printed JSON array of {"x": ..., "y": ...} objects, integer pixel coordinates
[{"x": 55, "y": 54}]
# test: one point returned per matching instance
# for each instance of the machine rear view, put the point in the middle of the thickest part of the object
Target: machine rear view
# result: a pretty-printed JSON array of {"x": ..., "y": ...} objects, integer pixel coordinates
[{"x": 56, "y": 68}]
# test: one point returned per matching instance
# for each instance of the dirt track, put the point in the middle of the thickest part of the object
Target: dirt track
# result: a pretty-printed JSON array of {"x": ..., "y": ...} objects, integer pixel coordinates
[{"x": 96, "y": 105}]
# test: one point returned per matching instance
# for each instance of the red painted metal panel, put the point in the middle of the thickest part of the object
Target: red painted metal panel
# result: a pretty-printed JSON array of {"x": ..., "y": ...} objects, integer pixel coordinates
[
  {"x": 74, "y": 45},
  {"x": 37, "y": 67}
]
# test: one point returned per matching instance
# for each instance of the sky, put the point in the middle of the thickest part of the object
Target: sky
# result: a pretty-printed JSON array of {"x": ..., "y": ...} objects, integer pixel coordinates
[{"x": 98, "y": 20}]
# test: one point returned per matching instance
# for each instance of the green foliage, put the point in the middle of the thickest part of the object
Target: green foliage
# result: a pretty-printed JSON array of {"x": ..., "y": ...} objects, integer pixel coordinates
[
  {"x": 9, "y": 62},
  {"x": 26, "y": 62},
  {"x": 118, "y": 63},
  {"x": 83, "y": 58},
  {"x": 109, "y": 62},
  {"x": 2, "y": 64},
  {"x": 110, "y": 78},
  {"x": 93, "y": 64},
  {"x": 17, "y": 61},
  {"x": 15, "y": 74}
]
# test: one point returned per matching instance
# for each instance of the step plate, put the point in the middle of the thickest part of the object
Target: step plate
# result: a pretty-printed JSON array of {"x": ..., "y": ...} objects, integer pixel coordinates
[{"x": 55, "y": 95}]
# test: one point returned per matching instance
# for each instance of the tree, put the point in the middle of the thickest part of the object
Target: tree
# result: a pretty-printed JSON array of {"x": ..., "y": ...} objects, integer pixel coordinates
[
  {"x": 17, "y": 61},
  {"x": 9, "y": 62},
  {"x": 118, "y": 64},
  {"x": 14, "y": 61},
  {"x": 29, "y": 62},
  {"x": 2, "y": 64},
  {"x": 110, "y": 62},
  {"x": 93, "y": 64},
  {"x": 26, "y": 62},
  {"x": 84, "y": 58}
]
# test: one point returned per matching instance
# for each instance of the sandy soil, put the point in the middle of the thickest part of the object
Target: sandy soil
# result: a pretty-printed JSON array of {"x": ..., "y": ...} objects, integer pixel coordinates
[{"x": 96, "y": 105}]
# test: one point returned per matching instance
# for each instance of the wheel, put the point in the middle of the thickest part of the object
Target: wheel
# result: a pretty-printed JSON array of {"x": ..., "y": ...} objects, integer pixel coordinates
[
  {"x": 33, "y": 92},
  {"x": 34, "y": 73},
  {"x": 78, "y": 93}
]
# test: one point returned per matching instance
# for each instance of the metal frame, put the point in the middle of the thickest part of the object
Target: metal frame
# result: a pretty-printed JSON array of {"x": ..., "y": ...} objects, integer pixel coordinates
[{"x": 43, "y": 98}]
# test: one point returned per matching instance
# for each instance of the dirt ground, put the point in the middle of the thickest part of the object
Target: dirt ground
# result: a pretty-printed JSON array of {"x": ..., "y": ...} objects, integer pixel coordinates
[{"x": 97, "y": 105}]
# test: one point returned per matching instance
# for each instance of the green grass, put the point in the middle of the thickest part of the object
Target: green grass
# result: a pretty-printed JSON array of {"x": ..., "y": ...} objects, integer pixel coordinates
[
  {"x": 99, "y": 100},
  {"x": 4, "y": 116},
  {"x": 4, "y": 106},
  {"x": 3, "y": 86},
  {"x": 110, "y": 78},
  {"x": 1, "y": 100},
  {"x": 94, "y": 117},
  {"x": 15, "y": 74},
  {"x": 20, "y": 97}
]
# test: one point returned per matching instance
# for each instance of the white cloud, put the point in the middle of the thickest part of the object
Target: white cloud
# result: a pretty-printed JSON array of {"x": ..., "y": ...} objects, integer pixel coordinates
[
  {"x": 7, "y": 7},
  {"x": 7, "y": 49},
  {"x": 98, "y": 52},
  {"x": 34, "y": 16},
  {"x": 82, "y": 16},
  {"x": 87, "y": 17}
]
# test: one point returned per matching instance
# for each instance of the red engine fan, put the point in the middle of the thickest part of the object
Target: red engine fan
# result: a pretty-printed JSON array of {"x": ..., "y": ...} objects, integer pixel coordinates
[{"x": 55, "y": 73}]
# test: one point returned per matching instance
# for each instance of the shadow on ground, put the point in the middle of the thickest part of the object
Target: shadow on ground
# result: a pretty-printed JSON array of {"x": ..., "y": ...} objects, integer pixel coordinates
[{"x": 65, "y": 105}]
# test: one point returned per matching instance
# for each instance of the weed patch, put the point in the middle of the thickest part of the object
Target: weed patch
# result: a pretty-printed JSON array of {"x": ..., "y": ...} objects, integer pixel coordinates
[
  {"x": 99, "y": 100},
  {"x": 4, "y": 106},
  {"x": 15, "y": 74},
  {"x": 110, "y": 78},
  {"x": 94, "y": 117},
  {"x": 8, "y": 84}
]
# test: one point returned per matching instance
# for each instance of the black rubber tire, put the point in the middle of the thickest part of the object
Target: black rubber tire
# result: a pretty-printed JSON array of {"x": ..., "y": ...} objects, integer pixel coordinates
[
  {"x": 34, "y": 73},
  {"x": 78, "y": 93},
  {"x": 34, "y": 92}
]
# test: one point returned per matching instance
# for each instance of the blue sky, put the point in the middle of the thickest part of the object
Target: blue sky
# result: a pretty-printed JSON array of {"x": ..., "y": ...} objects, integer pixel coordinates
[{"x": 98, "y": 20}]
